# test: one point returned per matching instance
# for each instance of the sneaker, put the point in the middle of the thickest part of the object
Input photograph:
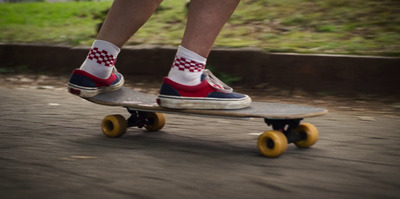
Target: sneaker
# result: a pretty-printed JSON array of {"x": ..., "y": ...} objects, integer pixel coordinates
[
  {"x": 87, "y": 85},
  {"x": 211, "y": 93}
]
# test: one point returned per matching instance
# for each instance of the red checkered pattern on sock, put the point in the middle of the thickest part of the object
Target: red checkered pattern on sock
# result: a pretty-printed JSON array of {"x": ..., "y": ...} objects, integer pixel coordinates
[
  {"x": 186, "y": 64},
  {"x": 101, "y": 57}
]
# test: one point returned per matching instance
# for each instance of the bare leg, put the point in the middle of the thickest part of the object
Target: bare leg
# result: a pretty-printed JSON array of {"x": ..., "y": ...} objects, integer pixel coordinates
[
  {"x": 125, "y": 18},
  {"x": 205, "y": 20}
]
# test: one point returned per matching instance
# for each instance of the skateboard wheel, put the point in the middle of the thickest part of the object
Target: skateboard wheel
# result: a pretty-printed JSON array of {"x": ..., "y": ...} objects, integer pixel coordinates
[
  {"x": 272, "y": 143},
  {"x": 114, "y": 126},
  {"x": 309, "y": 134},
  {"x": 156, "y": 121}
]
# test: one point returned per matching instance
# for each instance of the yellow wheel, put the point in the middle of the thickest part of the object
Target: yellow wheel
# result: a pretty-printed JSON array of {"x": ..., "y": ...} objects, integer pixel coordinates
[
  {"x": 114, "y": 126},
  {"x": 309, "y": 134},
  {"x": 272, "y": 143},
  {"x": 156, "y": 120}
]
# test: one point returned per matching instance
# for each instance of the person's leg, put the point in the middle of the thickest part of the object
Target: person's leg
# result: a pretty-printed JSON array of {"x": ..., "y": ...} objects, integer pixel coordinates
[
  {"x": 205, "y": 20},
  {"x": 125, "y": 18},
  {"x": 187, "y": 84},
  {"x": 97, "y": 73}
]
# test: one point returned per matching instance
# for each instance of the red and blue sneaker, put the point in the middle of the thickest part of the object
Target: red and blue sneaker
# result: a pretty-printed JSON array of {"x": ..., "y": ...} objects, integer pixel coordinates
[
  {"x": 86, "y": 85},
  {"x": 211, "y": 93}
]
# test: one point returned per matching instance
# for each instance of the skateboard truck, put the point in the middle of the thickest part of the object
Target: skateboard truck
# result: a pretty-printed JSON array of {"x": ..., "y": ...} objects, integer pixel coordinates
[
  {"x": 286, "y": 126},
  {"x": 139, "y": 119},
  {"x": 149, "y": 120}
]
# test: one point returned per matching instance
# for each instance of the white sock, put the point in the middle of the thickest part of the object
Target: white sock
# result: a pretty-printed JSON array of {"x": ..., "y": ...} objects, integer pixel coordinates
[
  {"x": 187, "y": 68},
  {"x": 101, "y": 58}
]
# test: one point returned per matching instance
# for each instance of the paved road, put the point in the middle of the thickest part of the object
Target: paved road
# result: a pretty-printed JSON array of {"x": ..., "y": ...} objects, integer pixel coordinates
[{"x": 51, "y": 146}]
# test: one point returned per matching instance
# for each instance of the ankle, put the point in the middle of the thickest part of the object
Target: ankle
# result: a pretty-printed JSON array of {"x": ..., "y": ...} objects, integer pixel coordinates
[
  {"x": 187, "y": 67},
  {"x": 101, "y": 59}
]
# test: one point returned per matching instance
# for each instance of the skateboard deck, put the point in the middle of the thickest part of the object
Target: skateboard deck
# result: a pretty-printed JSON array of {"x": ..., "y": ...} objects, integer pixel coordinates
[
  {"x": 284, "y": 118},
  {"x": 136, "y": 100}
]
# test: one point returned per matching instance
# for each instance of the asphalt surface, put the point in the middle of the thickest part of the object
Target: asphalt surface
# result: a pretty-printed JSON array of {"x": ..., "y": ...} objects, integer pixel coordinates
[{"x": 51, "y": 146}]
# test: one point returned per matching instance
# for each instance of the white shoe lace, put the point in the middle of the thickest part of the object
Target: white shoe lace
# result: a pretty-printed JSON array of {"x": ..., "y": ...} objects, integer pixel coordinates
[
  {"x": 216, "y": 83},
  {"x": 115, "y": 71}
]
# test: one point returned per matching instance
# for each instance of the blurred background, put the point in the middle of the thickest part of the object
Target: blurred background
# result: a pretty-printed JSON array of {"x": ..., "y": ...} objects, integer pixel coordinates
[{"x": 358, "y": 27}]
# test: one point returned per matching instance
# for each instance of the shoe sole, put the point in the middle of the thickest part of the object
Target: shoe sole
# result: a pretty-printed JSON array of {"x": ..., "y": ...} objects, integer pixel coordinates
[
  {"x": 202, "y": 103},
  {"x": 87, "y": 92}
]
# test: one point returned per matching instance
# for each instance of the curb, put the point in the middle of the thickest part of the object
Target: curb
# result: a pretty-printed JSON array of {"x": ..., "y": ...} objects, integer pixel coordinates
[{"x": 315, "y": 73}]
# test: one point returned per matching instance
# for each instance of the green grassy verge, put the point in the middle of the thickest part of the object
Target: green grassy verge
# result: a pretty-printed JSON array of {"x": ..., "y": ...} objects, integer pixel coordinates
[
  {"x": 364, "y": 27},
  {"x": 70, "y": 23}
]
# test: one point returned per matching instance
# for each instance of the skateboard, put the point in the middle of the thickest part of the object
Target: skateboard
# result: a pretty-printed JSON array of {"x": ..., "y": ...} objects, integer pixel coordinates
[{"x": 283, "y": 118}]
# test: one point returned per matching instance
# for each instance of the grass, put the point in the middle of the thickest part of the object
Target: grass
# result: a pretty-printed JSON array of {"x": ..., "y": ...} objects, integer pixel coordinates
[
  {"x": 363, "y": 27},
  {"x": 69, "y": 23},
  {"x": 368, "y": 27}
]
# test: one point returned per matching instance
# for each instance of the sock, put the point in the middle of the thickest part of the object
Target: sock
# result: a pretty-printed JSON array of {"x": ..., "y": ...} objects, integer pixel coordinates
[
  {"x": 187, "y": 68},
  {"x": 101, "y": 58}
]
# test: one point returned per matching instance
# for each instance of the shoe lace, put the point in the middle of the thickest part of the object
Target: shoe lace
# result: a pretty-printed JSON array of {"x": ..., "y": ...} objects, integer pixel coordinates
[
  {"x": 215, "y": 82},
  {"x": 115, "y": 71}
]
